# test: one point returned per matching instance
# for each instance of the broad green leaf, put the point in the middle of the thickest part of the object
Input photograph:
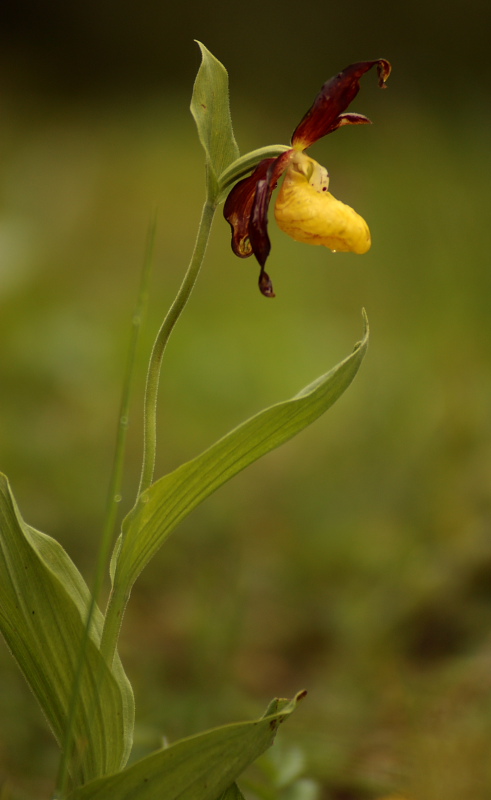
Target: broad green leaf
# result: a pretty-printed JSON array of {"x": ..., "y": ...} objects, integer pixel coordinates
[
  {"x": 211, "y": 111},
  {"x": 174, "y": 496},
  {"x": 43, "y": 607},
  {"x": 198, "y": 768}
]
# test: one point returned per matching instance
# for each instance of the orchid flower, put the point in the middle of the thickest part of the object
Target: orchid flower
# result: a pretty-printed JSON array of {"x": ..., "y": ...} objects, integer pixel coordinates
[{"x": 304, "y": 209}]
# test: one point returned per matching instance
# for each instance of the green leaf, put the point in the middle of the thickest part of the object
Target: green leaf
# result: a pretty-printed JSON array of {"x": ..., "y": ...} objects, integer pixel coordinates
[
  {"x": 174, "y": 496},
  {"x": 198, "y": 768},
  {"x": 211, "y": 111},
  {"x": 43, "y": 607}
]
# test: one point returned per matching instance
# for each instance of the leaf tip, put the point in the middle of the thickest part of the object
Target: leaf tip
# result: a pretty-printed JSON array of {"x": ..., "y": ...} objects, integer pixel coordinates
[
  {"x": 200, "y": 45},
  {"x": 366, "y": 332}
]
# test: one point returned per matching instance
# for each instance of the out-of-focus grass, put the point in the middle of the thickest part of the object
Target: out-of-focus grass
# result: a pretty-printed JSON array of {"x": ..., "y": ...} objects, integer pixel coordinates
[{"x": 356, "y": 561}]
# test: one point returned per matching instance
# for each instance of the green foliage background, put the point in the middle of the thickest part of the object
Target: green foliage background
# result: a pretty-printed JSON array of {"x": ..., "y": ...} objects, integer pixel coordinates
[{"x": 355, "y": 561}]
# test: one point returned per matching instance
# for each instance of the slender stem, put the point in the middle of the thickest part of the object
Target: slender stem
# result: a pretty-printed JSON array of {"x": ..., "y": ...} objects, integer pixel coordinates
[
  {"x": 114, "y": 493},
  {"x": 113, "y": 500},
  {"x": 153, "y": 375},
  {"x": 120, "y": 593}
]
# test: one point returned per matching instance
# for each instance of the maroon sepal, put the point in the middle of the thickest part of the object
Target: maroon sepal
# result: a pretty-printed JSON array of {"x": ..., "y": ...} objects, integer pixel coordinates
[
  {"x": 238, "y": 208},
  {"x": 246, "y": 210},
  {"x": 323, "y": 116},
  {"x": 258, "y": 225}
]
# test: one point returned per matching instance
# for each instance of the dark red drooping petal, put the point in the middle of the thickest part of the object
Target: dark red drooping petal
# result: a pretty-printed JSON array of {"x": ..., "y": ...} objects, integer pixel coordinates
[
  {"x": 246, "y": 210},
  {"x": 334, "y": 98},
  {"x": 258, "y": 225},
  {"x": 238, "y": 207}
]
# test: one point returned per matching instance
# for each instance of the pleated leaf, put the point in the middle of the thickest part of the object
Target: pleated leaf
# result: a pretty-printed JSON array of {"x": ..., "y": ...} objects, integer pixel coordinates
[
  {"x": 211, "y": 111},
  {"x": 43, "y": 607},
  {"x": 174, "y": 496},
  {"x": 200, "y": 767}
]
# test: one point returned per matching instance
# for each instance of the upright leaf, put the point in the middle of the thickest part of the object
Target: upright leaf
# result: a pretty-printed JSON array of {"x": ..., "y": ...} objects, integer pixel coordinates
[
  {"x": 197, "y": 768},
  {"x": 174, "y": 496},
  {"x": 211, "y": 111},
  {"x": 43, "y": 607}
]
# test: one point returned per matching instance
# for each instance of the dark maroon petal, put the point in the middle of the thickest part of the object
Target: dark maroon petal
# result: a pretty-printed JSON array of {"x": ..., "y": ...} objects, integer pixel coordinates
[
  {"x": 238, "y": 207},
  {"x": 246, "y": 210},
  {"x": 258, "y": 227},
  {"x": 334, "y": 98}
]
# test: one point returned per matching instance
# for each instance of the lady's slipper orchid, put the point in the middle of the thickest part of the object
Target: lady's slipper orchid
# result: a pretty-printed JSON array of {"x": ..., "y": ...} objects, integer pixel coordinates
[{"x": 305, "y": 209}]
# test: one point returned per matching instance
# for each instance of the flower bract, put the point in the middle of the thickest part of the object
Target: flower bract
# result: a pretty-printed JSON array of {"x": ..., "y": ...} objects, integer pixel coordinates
[{"x": 305, "y": 209}]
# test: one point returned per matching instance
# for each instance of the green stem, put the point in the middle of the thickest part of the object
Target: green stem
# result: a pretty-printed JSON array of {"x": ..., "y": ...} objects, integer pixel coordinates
[
  {"x": 120, "y": 594},
  {"x": 153, "y": 374}
]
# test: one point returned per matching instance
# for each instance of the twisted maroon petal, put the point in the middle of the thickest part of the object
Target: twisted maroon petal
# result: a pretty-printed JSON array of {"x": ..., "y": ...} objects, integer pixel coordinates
[
  {"x": 323, "y": 116},
  {"x": 258, "y": 226},
  {"x": 246, "y": 211},
  {"x": 238, "y": 207}
]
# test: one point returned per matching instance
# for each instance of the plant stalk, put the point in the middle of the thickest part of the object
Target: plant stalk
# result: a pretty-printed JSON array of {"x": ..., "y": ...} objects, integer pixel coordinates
[
  {"x": 120, "y": 594},
  {"x": 153, "y": 374}
]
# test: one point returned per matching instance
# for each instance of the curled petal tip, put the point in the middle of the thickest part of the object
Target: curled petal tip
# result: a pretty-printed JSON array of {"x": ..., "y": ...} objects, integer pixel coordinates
[
  {"x": 265, "y": 285},
  {"x": 384, "y": 69},
  {"x": 351, "y": 118}
]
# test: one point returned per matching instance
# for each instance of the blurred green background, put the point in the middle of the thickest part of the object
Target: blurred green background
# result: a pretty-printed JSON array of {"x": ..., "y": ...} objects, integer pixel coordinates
[{"x": 355, "y": 561}]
